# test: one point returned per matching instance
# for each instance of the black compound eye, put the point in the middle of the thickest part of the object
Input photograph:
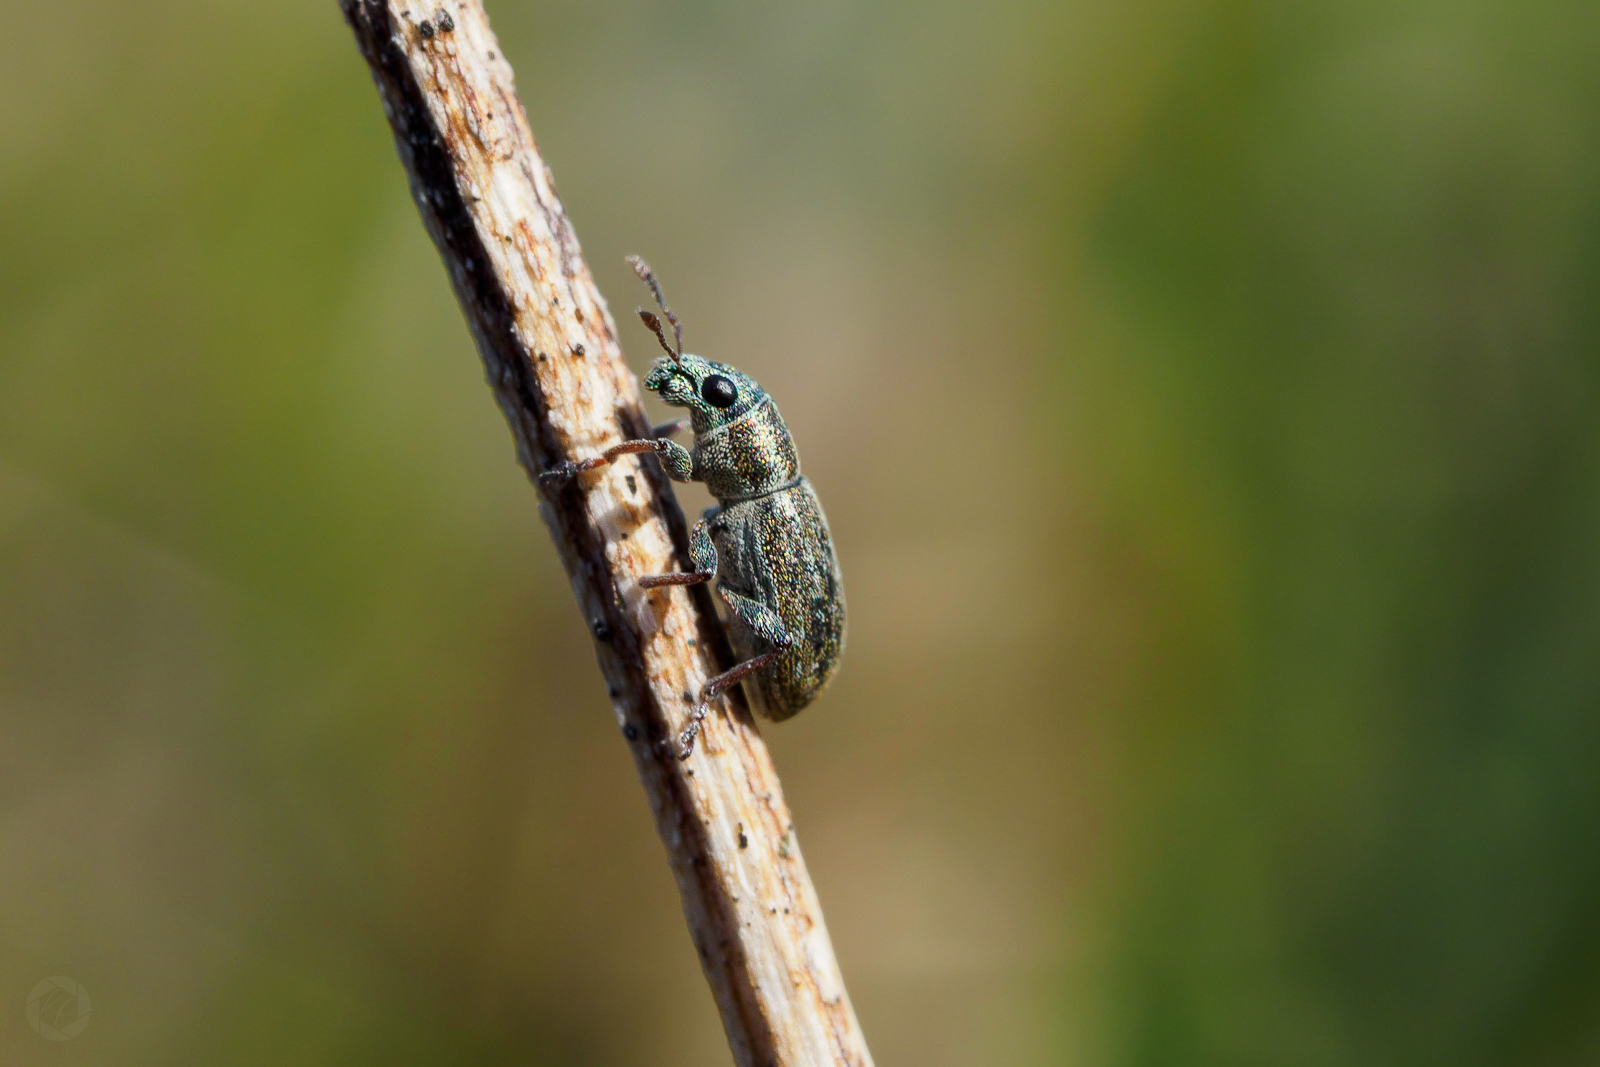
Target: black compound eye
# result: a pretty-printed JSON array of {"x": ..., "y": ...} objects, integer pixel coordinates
[{"x": 718, "y": 391}]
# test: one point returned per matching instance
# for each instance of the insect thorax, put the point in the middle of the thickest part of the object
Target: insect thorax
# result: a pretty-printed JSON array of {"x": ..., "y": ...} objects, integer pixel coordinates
[{"x": 752, "y": 455}]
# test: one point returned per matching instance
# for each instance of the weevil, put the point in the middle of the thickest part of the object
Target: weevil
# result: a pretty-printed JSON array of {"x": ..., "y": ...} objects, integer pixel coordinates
[{"x": 764, "y": 545}]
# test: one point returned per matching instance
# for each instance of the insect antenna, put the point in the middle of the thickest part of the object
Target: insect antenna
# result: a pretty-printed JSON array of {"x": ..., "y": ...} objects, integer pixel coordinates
[
  {"x": 648, "y": 276},
  {"x": 650, "y": 320}
]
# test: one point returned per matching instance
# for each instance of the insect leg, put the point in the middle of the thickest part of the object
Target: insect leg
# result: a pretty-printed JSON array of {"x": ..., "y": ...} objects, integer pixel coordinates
[
  {"x": 674, "y": 457},
  {"x": 766, "y": 625},
  {"x": 701, "y": 551}
]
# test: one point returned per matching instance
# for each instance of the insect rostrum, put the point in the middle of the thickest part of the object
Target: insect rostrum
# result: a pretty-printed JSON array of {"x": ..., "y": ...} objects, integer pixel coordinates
[{"x": 765, "y": 545}]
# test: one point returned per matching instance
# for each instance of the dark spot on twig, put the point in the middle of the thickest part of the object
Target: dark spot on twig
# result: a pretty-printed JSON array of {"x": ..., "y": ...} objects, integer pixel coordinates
[
  {"x": 612, "y": 692},
  {"x": 687, "y": 697},
  {"x": 631, "y": 732},
  {"x": 578, "y": 312},
  {"x": 426, "y": 29},
  {"x": 602, "y": 632},
  {"x": 493, "y": 56},
  {"x": 633, "y": 487},
  {"x": 543, "y": 357},
  {"x": 446, "y": 23},
  {"x": 744, "y": 842},
  {"x": 577, "y": 350},
  {"x": 693, "y": 643}
]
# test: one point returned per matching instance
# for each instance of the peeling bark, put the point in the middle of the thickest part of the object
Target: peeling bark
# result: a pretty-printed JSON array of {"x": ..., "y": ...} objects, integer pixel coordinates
[{"x": 550, "y": 351}]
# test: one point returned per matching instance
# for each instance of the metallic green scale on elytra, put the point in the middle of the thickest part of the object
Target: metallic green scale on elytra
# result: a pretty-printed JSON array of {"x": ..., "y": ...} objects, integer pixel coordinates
[
  {"x": 765, "y": 545},
  {"x": 780, "y": 544}
]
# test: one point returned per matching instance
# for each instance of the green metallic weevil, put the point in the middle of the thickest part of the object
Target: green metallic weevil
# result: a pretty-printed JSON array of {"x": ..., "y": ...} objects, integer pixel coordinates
[{"x": 766, "y": 541}]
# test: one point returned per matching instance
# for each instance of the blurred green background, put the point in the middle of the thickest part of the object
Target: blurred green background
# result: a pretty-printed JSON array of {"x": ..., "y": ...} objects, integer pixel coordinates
[{"x": 1206, "y": 399}]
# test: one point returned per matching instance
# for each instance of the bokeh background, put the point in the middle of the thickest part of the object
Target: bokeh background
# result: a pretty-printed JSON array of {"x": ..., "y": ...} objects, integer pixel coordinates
[{"x": 1205, "y": 395}]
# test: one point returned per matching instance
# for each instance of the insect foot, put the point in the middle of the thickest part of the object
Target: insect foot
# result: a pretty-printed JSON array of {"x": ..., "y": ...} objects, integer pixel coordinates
[
  {"x": 684, "y": 747},
  {"x": 690, "y": 732},
  {"x": 559, "y": 475}
]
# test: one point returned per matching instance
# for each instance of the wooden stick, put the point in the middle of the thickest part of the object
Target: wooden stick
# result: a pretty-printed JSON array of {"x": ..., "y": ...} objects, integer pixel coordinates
[{"x": 550, "y": 350}]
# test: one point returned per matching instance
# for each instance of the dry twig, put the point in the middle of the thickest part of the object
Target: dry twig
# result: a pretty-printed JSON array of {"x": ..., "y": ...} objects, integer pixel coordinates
[{"x": 554, "y": 365}]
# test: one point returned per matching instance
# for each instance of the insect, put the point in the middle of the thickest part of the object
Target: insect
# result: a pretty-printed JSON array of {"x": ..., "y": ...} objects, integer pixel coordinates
[{"x": 765, "y": 544}]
